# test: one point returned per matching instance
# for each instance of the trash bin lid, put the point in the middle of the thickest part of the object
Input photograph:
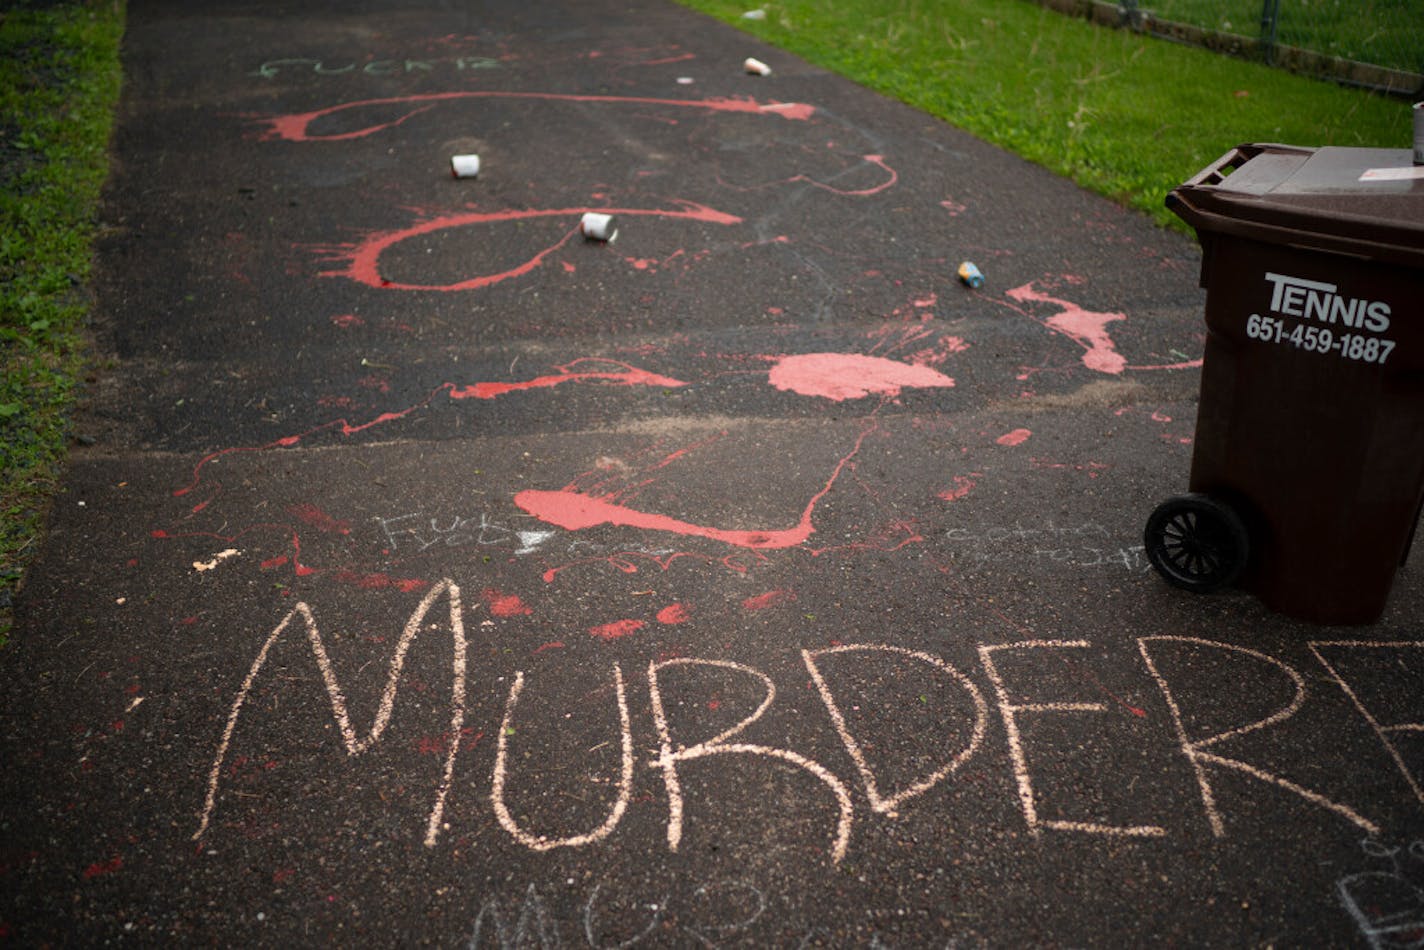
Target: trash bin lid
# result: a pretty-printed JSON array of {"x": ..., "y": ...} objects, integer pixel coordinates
[{"x": 1365, "y": 202}]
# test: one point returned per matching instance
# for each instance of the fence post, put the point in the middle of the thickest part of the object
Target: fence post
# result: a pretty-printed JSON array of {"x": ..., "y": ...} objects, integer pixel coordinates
[
  {"x": 1130, "y": 15},
  {"x": 1270, "y": 19}
]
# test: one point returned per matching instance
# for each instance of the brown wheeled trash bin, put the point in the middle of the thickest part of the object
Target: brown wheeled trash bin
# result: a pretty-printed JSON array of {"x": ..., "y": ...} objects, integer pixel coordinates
[{"x": 1308, "y": 465}]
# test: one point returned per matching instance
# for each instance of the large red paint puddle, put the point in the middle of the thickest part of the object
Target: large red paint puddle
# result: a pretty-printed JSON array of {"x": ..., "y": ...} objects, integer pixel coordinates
[
  {"x": 297, "y": 127},
  {"x": 842, "y": 376},
  {"x": 363, "y": 258}
]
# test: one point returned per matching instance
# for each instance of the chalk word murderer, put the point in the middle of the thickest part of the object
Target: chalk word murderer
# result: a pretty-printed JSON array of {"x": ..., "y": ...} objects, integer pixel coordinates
[{"x": 1205, "y": 754}]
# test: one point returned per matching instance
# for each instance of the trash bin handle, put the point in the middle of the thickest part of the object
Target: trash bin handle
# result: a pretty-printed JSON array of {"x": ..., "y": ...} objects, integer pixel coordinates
[{"x": 1215, "y": 173}]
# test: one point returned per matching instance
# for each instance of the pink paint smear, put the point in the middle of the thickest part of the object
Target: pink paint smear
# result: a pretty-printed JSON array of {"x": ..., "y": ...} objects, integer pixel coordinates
[
  {"x": 297, "y": 127},
  {"x": 575, "y": 511},
  {"x": 842, "y": 376},
  {"x": 362, "y": 259},
  {"x": 1085, "y": 327},
  {"x": 1016, "y": 437},
  {"x": 617, "y": 629}
]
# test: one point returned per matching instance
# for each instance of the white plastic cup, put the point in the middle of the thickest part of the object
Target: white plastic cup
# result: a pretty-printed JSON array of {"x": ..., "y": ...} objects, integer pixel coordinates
[
  {"x": 1419, "y": 133},
  {"x": 756, "y": 67},
  {"x": 464, "y": 166},
  {"x": 598, "y": 227}
]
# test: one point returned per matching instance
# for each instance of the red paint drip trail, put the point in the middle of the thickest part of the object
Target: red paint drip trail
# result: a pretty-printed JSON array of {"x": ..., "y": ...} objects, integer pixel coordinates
[
  {"x": 363, "y": 258},
  {"x": 297, "y": 126},
  {"x": 575, "y": 511}
]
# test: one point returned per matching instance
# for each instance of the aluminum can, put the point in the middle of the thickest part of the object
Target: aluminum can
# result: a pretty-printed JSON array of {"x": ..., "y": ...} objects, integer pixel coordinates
[{"x": 970, "y": 276}]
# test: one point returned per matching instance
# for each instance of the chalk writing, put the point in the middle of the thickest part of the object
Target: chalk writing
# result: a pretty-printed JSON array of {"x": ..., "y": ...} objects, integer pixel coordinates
[
  {"x": 372, "y": 67},
  {"x": 1194, "y": 749},
  {"x": 355, "y": 745},
  {"x": 419, "y": 533},
  {"x": 1382, "y": 730},
  {"x": 890, "y": 805},
  {"x": 1387, "y": 906},
  {"x": 1010, "y": 713},
  {"x": 718, "y": 911},
  {"x": 669, "y": 758},
  {"x": 1087, "y": 545},
  {"x": 674, "y": 754},
  {"x": 625, "y": 781}
]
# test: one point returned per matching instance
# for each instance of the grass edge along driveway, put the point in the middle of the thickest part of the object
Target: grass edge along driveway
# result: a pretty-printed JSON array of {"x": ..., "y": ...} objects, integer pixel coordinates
[
  {"x": 59, "y": 86},
  {"x": 1124, "y": 115}
]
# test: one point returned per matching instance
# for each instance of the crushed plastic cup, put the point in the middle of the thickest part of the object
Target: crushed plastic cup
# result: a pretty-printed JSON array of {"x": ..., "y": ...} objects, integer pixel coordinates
[
  {"x": 756, "y": 67},
  {"x": 464, "y": 166},
  {"x": 970, "y": 276},
  {"x": 598, "y": 227}
]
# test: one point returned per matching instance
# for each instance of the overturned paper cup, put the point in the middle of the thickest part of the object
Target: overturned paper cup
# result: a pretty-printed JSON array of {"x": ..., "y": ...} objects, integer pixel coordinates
[
  {"x": 464, "y": 166},
  {"x": 598, "y": 227},
  {"x": 756, "y": 67}
]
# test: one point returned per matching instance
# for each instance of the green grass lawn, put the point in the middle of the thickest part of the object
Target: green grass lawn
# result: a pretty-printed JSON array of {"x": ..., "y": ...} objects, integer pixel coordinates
[
  {"x": 1124, "y": 115},
  {"x": 59, "y": 82}
]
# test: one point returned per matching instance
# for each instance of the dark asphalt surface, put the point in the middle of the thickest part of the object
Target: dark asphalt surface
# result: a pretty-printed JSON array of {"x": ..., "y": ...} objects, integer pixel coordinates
[{"x": 437, "y": 576}]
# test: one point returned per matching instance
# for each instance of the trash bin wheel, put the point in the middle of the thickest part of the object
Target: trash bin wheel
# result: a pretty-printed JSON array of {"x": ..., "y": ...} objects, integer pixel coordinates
[{"x": 1196, "y": 543}]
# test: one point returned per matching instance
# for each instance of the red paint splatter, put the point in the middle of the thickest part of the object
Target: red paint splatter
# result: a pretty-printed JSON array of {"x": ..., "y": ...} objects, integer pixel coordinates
[
  {"x": 617, "y": 629},
  {"x": 363, "y": 259},
  {"x": 347, "y": 320},
  {"x": 506, "y": 605},
  {"x": 314, "y": 516},
  {"x": 771, "y": 598},
  {"x": 574, "y": 510},
  {"x": 963, "y": 485},
  {"x": 625, "y": 376},
  {"x": 954, "y": 208},
  {"x": 551, "y": 645},
  {"x": 1085, "y": 327},
  {"x": 296, "y": 127},
  {"x": 376, "y": 581},
  {"x": 101, "y": 868},
  {"x": 841, "y": 376},
  {"x": 277, "y": 561},
  {"x": 1016, "y": 437},
  {"x": 673, "y": 613}
]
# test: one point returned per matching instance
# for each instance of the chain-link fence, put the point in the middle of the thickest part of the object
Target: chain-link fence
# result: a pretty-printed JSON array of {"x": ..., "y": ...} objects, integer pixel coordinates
[{"x": 1378, "y": 44}]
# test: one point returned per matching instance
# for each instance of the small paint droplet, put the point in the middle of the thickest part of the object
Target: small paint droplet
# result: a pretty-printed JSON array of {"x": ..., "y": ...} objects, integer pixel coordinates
[
  {"x": 673, "y": 613},
  {"x": 617, "y": 629}
]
